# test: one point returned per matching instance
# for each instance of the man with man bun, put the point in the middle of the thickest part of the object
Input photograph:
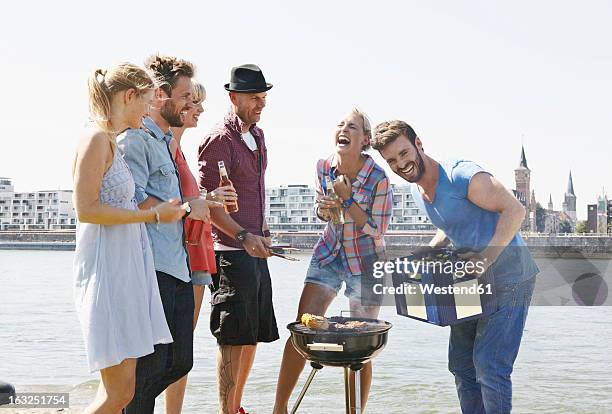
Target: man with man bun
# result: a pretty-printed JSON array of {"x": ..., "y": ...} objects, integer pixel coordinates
[
  {"x": 475, "y": 212},
  {"x": 156, "y": 178}
]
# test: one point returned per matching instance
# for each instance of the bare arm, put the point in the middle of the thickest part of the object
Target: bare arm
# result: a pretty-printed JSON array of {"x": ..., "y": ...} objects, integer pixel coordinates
[
  {"x": 200, "y": 208},
  {"x": 149, "y": 203},
  {"x": 360, "y": 216},
  {"x": 254, "y": 245},
  {"x": 92, "y": 159},
  {"x": 224, "y": 222},
  {"x": 488, "y": 193},
  {"x": 439, "y": 239},
  {"x": 343, "y": 188},
  {"x": 264, "y": 228}
]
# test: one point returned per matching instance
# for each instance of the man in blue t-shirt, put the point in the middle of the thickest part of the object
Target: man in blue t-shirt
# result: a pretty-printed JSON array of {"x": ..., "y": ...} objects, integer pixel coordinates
[{"x": 475, "y": 212}]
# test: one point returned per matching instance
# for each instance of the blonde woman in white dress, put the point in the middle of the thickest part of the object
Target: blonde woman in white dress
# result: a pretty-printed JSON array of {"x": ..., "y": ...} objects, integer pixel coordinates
[{"x": 115, "y": 287}]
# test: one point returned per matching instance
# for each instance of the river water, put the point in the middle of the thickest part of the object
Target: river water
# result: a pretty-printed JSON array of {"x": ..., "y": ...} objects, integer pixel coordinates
[{"x": 564, "y": 365}]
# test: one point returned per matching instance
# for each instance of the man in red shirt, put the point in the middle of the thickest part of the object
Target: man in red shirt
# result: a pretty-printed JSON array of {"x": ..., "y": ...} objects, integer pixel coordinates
[{"x": 242, "y": 313}]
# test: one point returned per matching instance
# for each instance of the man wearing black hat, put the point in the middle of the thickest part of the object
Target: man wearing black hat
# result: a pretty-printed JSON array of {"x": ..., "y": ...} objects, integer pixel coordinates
[{"x": 242, "y": 313}]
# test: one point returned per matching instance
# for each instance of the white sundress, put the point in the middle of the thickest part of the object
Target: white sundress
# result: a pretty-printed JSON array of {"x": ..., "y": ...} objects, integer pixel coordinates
[{"x": 115, "y": 286}]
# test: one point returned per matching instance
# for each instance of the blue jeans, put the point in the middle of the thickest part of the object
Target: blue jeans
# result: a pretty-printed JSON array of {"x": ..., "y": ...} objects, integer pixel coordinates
[
  {"x": 169, "y": 362},
  {"x": 481, "y": 352}
]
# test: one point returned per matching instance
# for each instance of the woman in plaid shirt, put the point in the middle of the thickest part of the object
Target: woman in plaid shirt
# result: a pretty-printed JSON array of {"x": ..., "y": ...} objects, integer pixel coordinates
[{"x": 345, "y": 252}]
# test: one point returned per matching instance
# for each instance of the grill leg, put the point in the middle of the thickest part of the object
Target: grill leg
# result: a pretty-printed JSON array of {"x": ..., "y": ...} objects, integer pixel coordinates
[
  {"x": 347, "y": 390},
  {"x": 356, "y": 368},
  {"x": 358, "y": 392},
  {"x": 315, "y": 368}
]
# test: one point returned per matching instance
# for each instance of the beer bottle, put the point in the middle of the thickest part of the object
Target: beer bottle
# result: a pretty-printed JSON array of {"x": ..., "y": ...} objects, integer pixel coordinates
[
  {"x": 230, "y": 206},
  {"x": 336, "y": 213}
]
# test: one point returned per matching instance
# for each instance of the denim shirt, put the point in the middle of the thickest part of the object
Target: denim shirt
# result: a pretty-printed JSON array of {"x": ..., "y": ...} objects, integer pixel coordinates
[{"x": 148, "y": 156}]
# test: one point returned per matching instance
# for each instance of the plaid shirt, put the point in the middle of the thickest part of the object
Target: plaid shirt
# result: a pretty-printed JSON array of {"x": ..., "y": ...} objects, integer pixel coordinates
[
  {"x": 372, "y": 192},
  {"x": 245, "y": 168}
]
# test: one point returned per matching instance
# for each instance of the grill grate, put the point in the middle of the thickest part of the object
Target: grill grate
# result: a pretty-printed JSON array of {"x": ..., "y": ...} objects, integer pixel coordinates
[{"x": 371, "y": 326}]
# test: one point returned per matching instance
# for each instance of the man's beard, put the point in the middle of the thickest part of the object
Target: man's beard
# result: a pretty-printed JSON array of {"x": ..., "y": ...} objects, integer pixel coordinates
[
  {"x": 420, "y": 167},
  {"x": 169, "y": 113}
]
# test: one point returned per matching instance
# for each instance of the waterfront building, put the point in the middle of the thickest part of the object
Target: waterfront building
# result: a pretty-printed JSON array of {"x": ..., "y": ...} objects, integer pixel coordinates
[
  {"x": 6, "y": 187},
  {"x": 550, "y": 203},
  {"x": 610, "y": 216},
  {"x": 406, "y": 215},
  {"x": 551, "y": 220},
  {"x": 531, "y": 213},
  {"x": 554, "y": 221},
  {"x": 522, "y": 177},
  {"x": 569, "y": 203},
  {"x": 592, "y": 218},
  {"x": 37, "y": 210},
  {"x": 292, "y": 208},
  {"x": 602, "y": 214}
]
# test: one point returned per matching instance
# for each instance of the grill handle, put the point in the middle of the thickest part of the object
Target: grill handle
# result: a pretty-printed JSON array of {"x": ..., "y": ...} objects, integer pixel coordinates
[{"x": 322, "y": 346}]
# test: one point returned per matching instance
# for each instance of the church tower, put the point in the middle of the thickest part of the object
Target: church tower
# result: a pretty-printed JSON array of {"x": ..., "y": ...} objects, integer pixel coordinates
[
  {"x": 550, "y": 203},
  {"x": 569, "y": 203},
  {"x": 522, "y": 177}
]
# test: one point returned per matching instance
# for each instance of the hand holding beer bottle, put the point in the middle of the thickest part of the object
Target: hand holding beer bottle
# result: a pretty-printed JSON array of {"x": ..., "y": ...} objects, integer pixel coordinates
[
  {"x": 329, "y": 205},
  {"x": 231, "y": 205},
  {"x": 222, "y": 194}
]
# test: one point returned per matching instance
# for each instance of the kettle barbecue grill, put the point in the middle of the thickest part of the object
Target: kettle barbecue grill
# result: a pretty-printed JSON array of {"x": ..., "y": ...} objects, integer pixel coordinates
[{"x": 348, "y": 348}]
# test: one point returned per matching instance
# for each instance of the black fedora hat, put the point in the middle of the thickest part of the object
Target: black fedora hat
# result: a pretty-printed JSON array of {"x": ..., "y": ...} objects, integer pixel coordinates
[{"x": 247, "y": 78}]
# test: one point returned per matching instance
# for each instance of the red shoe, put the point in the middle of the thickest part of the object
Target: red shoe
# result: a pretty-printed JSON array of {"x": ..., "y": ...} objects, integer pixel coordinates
[{"x": 241, "y": 411}]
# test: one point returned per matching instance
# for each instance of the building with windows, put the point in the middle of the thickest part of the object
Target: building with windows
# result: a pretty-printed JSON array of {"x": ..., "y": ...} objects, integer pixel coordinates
[
  {"x": 292, "y": 208},
  {"x": 591, "y": 218},
  {"x": 569, "y": 201},
  {"x": 38, "y": 210},
  {"x": 407, "y": 216},
  {"x": 555, "y": 220},
  {"x": 602, "y": 214},
  {"x": 610, "y": 216}
]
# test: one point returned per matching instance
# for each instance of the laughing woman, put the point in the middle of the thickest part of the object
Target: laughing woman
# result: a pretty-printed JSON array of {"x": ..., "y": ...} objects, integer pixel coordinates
[
  {"x": 115, "y": 290},
  {"x": 345, "y": 252}
]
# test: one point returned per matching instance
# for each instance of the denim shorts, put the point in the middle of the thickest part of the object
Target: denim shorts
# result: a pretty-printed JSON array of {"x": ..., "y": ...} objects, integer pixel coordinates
[
  {"x": 334, "y": 273},
  {"x": 201, "y": 278}
]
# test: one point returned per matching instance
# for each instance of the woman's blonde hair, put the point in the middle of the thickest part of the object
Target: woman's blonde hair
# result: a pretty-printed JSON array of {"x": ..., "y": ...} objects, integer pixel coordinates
[
  {"x": 199, "y": 92},
  {"x": 105, "y": 83},
  {"x": 367, "y": 128}
]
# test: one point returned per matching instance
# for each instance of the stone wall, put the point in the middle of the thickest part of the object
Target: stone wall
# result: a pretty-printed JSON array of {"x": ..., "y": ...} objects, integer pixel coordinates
[
  {"x": 397, "y": 243},
  {"x": 48, "y": 240},
  {"x": 573, "y": 246}
]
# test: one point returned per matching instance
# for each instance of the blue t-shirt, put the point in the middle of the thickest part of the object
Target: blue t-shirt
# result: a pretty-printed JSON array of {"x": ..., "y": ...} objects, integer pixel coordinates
[{"x": 467, "y": 225}]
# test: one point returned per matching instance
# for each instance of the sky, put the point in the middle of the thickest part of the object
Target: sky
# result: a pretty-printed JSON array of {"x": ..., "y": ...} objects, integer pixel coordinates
[{"x": 475, "y": 79}]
